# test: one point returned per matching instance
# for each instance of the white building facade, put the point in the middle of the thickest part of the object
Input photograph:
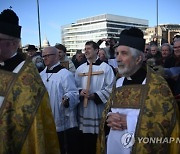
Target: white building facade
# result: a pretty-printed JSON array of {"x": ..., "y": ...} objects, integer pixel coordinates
[{"x": 75, "y": 35}]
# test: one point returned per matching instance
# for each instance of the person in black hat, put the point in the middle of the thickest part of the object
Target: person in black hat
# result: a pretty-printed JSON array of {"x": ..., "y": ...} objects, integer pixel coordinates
[
  {"x": 141, "y": 104},
  {"x": 9, "y": 40},
  {"x": 36, "y": 57},
  {"x": 24, "y": 128},
  {"x": 31, "y": 51}
]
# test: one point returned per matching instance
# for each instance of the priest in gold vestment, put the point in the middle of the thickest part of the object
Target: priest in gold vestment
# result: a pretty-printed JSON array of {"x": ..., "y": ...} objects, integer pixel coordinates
[
  {"x": 26, "y": 121},
  {"x": 141, "y": 112}
]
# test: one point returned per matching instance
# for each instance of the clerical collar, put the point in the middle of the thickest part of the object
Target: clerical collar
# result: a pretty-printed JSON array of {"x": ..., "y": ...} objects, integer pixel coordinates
[
  {"x": 128, "y": 78},
  {"x": 97, "y": 62},
  {"x": 13, "y": 62},
  {"x": 12, "y": 57},
  {"x": 1, "y": 63},
  {"x": 136, "y": 78},
  {"x": 54, "y": 69},
  {"x": 14, "y": 54}
]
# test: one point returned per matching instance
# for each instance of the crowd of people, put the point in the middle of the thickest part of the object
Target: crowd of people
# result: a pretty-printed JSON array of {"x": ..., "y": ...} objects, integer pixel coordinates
[{"x": 100, "y": 101}]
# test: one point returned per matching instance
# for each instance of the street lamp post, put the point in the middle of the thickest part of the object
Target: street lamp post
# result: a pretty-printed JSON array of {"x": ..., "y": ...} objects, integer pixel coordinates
[
  {"x": 39, "y": 29},
  {"x": 157, "y": 24}
]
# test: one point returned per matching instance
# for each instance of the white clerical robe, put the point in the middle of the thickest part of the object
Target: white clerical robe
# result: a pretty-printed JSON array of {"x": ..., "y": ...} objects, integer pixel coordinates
[
  {"x": 113, "y": 62},
  {"x": 62, "y": 84},
  {"x": 114, "y": 143},
  {"x": 101, "y": 84}
]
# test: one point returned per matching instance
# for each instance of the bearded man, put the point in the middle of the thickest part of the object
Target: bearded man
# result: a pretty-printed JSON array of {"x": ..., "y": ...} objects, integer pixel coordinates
[{"x": 141, "y": 104}]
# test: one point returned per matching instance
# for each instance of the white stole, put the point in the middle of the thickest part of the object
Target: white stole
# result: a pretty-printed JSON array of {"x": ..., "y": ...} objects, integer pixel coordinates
[{"x": 114, "y": 143}]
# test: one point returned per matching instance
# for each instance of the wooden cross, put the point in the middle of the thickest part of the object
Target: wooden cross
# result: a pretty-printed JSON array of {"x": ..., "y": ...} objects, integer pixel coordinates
[{"x": 89, "y": 74}]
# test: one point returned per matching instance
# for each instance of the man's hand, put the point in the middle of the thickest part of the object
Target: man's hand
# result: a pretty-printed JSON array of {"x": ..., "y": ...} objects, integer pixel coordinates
[
  {"x": 117, "y": 121},
  {"x": 91, "y": 96},
  {"x": 83, "y": 93}
]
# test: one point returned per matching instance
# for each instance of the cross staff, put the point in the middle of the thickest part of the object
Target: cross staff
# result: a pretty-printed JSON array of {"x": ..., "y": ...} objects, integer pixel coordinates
[{"x": 89, "y": 74}]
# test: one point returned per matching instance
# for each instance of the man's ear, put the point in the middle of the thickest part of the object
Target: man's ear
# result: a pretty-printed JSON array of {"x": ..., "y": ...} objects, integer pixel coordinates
[{"x": 139, "y": 59}]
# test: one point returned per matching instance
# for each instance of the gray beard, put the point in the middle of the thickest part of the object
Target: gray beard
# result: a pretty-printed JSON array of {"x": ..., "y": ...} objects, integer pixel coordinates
[
  {"x": 127, "y": 72},
  {"x": 39, "y": 65}
]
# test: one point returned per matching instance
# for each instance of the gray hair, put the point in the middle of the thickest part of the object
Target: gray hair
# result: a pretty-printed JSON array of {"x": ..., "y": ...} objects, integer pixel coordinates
[
  {"x": 154, "y": 45},
  {"x": 168, "y": 45},
  {"x": 106, "y": 52},
  {"x": 177, "y": 40},
  {"x": 52, "y": 49},
  {"x": 137, "y": 53}
]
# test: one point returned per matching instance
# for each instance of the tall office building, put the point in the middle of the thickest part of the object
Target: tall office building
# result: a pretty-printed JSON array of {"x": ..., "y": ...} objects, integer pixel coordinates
[{"x": 75, "y": 35}]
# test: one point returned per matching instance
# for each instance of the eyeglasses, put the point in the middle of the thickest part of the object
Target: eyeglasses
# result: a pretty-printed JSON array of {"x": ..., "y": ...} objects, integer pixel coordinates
[{"x": 47, "y": 56}]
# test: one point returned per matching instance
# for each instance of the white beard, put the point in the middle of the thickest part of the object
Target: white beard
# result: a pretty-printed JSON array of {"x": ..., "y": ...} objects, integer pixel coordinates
[
  {"x": 127, "y": 71},
  {"x": 39, "y": 65},
  {"x": 122, "y": 70}
]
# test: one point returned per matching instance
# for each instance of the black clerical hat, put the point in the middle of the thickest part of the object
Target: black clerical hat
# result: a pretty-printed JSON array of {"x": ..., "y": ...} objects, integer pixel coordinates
[
  {"x": 9, "y": 23},
  {"x": 132, "y": 37},
  {"x": 31, "y": 47}
]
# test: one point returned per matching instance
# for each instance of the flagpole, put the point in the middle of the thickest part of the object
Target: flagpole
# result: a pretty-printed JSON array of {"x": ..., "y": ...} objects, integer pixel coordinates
[
  {"x": 39, "y": 29},
  {"x": 157, "y": 24}
]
